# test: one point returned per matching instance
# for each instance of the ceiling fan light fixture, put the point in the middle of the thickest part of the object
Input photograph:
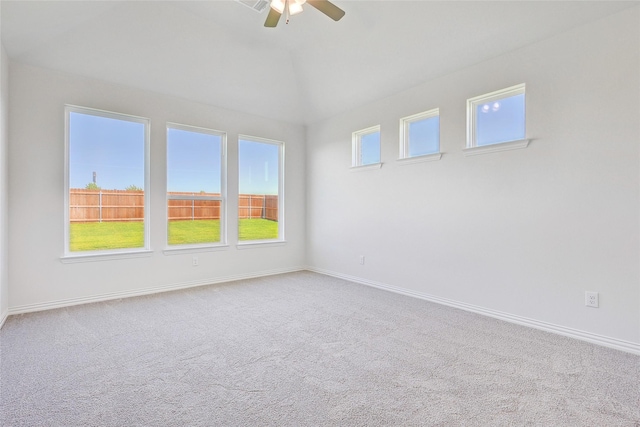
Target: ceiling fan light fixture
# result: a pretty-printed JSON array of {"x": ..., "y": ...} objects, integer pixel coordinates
[
  {"x": 278, "y": 5},
  {"x": 277, "y": 8},
  {"x": 294, "y": 7}
]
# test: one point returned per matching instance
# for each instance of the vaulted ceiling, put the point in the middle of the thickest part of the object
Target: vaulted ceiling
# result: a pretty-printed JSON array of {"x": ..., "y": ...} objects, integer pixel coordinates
[{"x": 219, "y": 52}]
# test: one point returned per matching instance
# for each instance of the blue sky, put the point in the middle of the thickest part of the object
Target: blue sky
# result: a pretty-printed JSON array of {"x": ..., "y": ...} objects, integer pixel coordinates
[
  {"x": 500, "y": 121},
  {"x": 370, "y": 148},
  {"x": 114, "y": 149},
  {"x": 424, "y": 136},
  {"x": 193, "y": 161},
  {"x": 258, "y": 167}
]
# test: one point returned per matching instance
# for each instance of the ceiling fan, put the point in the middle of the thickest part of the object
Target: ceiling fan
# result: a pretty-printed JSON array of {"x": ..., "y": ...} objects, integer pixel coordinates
[{"x": 293, "y": 7}]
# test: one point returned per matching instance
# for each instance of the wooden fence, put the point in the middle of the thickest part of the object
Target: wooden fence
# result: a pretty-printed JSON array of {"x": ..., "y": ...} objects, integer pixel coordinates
[
  {"x": 258, "y": 206},
  {"x": 193, "y": 206},
  {"x": 105, "y": 205},
  {"x": 122, "y": 205}
]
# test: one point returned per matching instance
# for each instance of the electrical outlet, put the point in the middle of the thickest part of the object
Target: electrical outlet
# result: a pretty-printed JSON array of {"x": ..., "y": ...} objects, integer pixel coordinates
[
  {"x": 361, "y": 259},
  {"x": 194, "y": 261},
  {"x": 591, "y": 299}
]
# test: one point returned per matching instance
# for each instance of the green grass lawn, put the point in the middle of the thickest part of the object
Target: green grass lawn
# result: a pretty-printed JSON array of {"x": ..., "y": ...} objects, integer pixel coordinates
[
  {"x": 192, "y": 232},
  {"x": 257, "y": 229},
  {"x": 123, "y": 235},
  {"x": 95, "y": 236}
]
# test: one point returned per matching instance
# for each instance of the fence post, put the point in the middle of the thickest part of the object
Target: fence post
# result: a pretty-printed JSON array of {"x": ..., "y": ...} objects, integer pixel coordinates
[
  {"x": 250, "y": 206},
  {"x": 100, "y": 204},
  {"x": 193, "y": 209},
  {"x": 264, "y": 206}
]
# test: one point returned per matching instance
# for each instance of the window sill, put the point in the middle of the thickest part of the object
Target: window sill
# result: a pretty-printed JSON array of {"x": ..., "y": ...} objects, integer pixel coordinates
[
  {"x": 365, "y": 167},
  {"x": 72, "y": 259},
  {"x": 254, "y": 244},
  {"x": 189, "y": 249},
  {"x": 420, "y": 159},
  {"x": 493, "y": 148}
]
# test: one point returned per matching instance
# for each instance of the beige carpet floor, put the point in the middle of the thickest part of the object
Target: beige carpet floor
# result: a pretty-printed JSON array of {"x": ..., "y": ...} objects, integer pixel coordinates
[{"x": 302, "y": 349}]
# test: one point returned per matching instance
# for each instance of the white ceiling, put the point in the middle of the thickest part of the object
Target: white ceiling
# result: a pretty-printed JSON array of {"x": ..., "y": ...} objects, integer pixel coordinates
[{"x": 219, "y": 52}]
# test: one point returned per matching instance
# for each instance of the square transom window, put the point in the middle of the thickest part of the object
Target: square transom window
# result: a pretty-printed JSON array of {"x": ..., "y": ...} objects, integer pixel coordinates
[
  {"x": 496, "y": 117},
  {"x": 420, "y": 134},
  {"x": 366, "y": 147}
]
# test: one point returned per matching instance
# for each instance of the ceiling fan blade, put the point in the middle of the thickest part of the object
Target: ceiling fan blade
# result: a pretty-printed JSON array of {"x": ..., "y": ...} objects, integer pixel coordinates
[
  {"x": 328, "y": 8},
  {"x": 272, "y": 18}
]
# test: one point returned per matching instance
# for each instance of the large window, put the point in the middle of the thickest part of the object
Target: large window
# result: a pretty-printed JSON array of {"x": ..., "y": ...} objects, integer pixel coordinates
[
  {"x": 106, "y": 195},
  {"x": 366, "y": 147},
  {"x": 260, "y": 199},
  {"x": 195, "y": 186},
  {"x": 497, "y": 118},
  {"x": 420, "y": 134}
]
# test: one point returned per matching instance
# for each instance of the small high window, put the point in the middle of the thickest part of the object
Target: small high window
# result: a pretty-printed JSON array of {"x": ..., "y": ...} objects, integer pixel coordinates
[
  {"x": 195, "y": 186},
  {"x": 366, "y": 147},
  {"x": 497, "y": 118},
  {"x": 420, "y": 135}
]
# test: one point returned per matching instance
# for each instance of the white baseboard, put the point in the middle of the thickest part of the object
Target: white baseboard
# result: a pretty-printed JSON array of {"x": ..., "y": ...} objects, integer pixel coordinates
[
  {"x": 615, "y": 343},
  {"x": 3, "y": 317},
  {"x": 627, "y": 346},
  {"x": 145, "y": 291}
]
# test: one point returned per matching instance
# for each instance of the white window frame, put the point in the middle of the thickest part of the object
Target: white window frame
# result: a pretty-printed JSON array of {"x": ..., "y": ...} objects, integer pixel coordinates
[
  {"x": 198, "y": 247},
  {"x": 356, "y": 149},
  {"x": 472, "y": 148},
  {"x": 405, "y": 122},
  {"x": 71, "y": 257},
  {"x": 280, "y": 240}
]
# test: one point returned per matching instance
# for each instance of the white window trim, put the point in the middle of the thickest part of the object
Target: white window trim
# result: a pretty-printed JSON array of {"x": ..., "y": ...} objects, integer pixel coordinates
[
  {"x": 255, "y": 244},
  {"x": 365, "y": 167},
  {"x": 189, "y": 248},
  {"x": 404, "y": 135},
  {"x": 356, "y": 148},
  {"x": 281, "y": 196},
  {"x": 420, "y": 159},
  {"x": 82, "y": 256},
  {"x": 91, "y": 256},
  {"x": 193, "y": 249},
  {"x": 472, "y": 103},
  {"x": 493, "y": 148}
]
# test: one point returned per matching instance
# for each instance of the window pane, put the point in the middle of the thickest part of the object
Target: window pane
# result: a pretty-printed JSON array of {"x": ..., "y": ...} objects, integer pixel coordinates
[
  {"x": 258, "y": 215},
  {"x": 370, "y": 148},
  {"x": 106, "y": 183},
  {"x": 500, "y": 121},
  {"x": 424, "y": 136},
  {"x": 193, "y": 161},
  {"x": 193, "y": 187}
]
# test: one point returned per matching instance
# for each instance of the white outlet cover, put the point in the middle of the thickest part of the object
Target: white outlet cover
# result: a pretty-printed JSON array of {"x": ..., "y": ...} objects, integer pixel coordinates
[{"x": 591, "y": 299}]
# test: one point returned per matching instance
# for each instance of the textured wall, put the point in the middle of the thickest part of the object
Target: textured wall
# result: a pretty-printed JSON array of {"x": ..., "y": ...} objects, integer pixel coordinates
[{"x": 524, "y": 232}]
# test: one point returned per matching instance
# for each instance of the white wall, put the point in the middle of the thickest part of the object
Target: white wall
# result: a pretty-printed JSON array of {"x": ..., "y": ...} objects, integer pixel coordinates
[
  {"x": 38, "y": 278},
  {"x": 522, "y": 232},
  {"x": 4, "y": 178}
]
